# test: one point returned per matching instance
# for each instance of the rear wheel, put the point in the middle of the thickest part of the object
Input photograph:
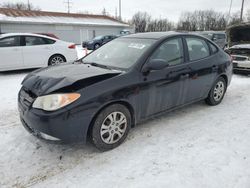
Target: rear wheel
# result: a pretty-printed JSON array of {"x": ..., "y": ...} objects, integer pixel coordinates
[
  {"x": 111, "y": 127},
  {"x": 56, "y": 60},
  {"x": 217, "y": 92}
]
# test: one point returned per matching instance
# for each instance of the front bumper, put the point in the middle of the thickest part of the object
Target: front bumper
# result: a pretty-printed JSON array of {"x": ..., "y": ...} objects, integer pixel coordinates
[
  {"x": 241, "y": 66},
  {"x": 62, "y": 125}
]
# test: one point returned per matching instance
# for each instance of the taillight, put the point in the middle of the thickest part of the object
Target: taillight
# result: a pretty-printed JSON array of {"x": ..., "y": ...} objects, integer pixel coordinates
[{"x": 72, "y": 46}]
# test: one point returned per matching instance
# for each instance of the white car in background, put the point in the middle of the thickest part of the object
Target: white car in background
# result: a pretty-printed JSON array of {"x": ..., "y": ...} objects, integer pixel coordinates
[{"x": 26, "y": 50}]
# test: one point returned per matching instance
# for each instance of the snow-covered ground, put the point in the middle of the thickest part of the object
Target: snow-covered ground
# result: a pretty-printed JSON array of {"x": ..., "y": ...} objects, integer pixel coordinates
[{"x": 193, "y": 147}]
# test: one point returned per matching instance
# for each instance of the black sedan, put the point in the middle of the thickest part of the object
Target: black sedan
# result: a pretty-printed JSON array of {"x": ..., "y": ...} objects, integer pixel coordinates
[
  {"x": 125, "y": 82},
  {"x": 98, "y": 41}
]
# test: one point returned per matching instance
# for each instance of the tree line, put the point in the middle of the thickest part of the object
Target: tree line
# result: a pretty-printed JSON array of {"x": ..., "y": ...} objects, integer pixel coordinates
[{"x": 198, "y": 20}]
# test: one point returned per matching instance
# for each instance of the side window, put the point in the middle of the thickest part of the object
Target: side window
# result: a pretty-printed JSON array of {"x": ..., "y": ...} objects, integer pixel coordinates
[
  {"x": 214, "y": 49},
  {"x": 10, "y": 41},
  {"x": 171, "y": 51},
  {"x": 197, "y": 48},
  {"x": 34, "y": 41},
  {"x": 49, "y": 41}
]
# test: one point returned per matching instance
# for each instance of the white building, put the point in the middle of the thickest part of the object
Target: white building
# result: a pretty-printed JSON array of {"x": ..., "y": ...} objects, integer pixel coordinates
[{"x": 69, "y": 27}]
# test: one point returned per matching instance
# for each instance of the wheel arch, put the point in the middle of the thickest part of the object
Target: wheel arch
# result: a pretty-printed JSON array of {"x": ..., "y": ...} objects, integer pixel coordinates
[
  {"x": 122, "y": 102},
  {"x": 224, "y": 76}
]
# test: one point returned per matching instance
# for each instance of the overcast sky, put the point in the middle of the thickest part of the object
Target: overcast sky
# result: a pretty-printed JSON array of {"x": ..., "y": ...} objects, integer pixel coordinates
[{"x": 170, "y": 9}]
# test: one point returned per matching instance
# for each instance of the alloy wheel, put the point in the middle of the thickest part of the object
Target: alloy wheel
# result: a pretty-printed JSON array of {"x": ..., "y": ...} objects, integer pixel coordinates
[
  {"x": 219, "y": 91},
  {"x": 56, "y": 60},
  {"x": 113, "y": 127}
]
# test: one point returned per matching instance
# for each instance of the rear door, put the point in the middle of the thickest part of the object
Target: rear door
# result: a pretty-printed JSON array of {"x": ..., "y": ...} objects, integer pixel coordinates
[
  {"x": 11, "y": 53},
  {"x": 203, "y": 68},
  {"x": 37, "y": 51}
]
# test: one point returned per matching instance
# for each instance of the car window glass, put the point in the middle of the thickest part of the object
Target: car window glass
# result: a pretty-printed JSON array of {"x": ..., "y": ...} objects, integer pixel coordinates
[
  {"x": 170, "y": 51},
  {"x": 213, "y": 48},
  {"x": 10, "y": 41},
  {"x": 34, "y": 41},
  {"x": 197, "y": 48}
]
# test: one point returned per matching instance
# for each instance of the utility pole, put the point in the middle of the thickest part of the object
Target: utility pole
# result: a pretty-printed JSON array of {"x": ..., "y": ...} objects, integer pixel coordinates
[
  {"x": 242, "y": 8},
  {"x": 68, "y": 3},
  {"x": 29, "y": 5},
  {"x": 229, "y": 12},
  {"x": 120, "y": 10}
]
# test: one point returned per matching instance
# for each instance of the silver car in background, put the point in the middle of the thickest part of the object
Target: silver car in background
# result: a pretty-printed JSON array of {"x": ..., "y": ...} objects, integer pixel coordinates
[{"x": 239, "y": 47}]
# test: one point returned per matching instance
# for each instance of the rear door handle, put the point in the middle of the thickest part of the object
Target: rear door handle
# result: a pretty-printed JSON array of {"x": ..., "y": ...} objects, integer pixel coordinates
[
  {"x": 184, "y": 76},
  {"x": 214, "y": 68}
]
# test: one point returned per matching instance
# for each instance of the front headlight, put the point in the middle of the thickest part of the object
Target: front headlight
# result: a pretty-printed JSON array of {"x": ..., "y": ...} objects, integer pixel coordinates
[{"x": 55, "y": 101}]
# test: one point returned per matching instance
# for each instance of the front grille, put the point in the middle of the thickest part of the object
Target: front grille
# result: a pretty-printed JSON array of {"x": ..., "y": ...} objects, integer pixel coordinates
[
  {"x": 235, "y": 65},
  {"x": 26, "y": 98}
]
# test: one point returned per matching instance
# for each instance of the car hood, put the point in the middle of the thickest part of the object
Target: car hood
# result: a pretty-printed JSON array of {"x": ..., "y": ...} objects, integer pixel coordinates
[
  {"x": 241, "y": 46},
  {"x": 77, "y": 76}
]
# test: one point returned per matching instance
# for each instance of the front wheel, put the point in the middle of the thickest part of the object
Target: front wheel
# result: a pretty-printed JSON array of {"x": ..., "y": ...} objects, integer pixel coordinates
[
  {"x": 217, "y": 92},
  {"x": 111, "y": 127}
]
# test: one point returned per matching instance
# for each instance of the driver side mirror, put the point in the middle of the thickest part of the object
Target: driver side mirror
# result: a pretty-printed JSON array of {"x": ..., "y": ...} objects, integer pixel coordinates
[{"x": 154, "y": 64}]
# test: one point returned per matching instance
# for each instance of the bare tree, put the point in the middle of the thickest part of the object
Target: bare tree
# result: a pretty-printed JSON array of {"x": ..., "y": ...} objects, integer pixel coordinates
[
  {"x": 235, "y": 19},
  {"x": 160, "y": 25},
  {"x": 202, "y": 20},
  {"x": 19, "y": 6},
  {"x": 140, "y": 20}
]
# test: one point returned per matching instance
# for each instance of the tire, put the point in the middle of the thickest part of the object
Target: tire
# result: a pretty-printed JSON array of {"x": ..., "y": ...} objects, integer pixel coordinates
[
  {"x": 107, "y": 134},
  {"x": 56, "y": 60},
  {"x": 217, "y": 92},
  {"x": 97, "y": 46}
]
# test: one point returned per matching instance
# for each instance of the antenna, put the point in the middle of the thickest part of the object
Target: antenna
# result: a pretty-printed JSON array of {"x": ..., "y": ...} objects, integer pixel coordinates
[
  {"x": 229, "y": 12},
  {"x": 29, "y": 5},
  {"x": 68, "y": 4}
]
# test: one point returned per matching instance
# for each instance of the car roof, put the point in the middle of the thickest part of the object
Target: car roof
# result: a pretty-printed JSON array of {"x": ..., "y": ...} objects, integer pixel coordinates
[
  {"x": 212, "y": 32},
  {"x": 150, "y": 35},
  {"x": 25, "y": 34},
  {"x": 160, "y": 35}
]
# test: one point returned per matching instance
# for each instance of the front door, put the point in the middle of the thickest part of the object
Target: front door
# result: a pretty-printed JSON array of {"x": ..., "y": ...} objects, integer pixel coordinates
[
  {"x": 11, "y": 53},
  {"x": 163, "y": 89}
]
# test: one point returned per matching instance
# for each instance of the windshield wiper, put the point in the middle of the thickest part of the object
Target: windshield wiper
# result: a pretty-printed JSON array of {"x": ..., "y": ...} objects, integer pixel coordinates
[{"x": 97, "y": 65}]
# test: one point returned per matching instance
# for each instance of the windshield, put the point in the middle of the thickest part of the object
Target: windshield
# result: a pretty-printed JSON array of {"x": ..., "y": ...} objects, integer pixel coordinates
[
  {"x": 120, "y": 53},
  {"x": 98, "y": 38}
]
